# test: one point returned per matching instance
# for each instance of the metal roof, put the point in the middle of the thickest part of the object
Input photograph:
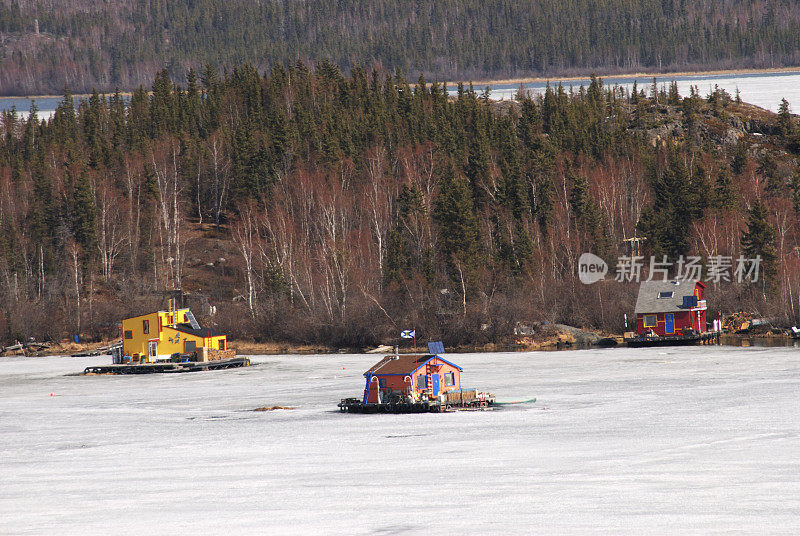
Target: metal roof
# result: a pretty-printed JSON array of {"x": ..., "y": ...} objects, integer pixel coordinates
[
  {"x": 403, "y": 364},
  {"x": 649, "y": 292}
]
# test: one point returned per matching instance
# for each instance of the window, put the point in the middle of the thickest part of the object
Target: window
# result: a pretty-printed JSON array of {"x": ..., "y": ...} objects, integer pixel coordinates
[
  {"x": 381, "y": 382},
  {"x": 189, "y": 346},
  {"x": 449, "y": 379},
  {"x": 222, "y": 344},
  {"x": 128, "y": 334},
  {"x": 422, "y": 381},
  {"x": 145, "y": 326},
  {"x": 649, "y": 321},
  {"x": 663, "y": 295}
]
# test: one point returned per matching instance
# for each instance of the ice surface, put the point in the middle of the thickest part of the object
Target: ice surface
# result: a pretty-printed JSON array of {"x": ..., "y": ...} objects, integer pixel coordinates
[
  {"x": 699, "y": 440},
  {"x": 764, "y": 89}
]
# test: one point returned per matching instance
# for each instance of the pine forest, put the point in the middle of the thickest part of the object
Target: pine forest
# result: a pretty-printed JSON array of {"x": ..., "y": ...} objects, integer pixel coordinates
[
  {"x": 303, "y": 204},
  {"x": 50, "y": 44}
]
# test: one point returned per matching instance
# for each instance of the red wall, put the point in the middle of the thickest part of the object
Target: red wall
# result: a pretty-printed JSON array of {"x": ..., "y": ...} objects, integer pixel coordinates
[
  {"x": 398, "y": 382},
  {"x": 682, "y": 319}
]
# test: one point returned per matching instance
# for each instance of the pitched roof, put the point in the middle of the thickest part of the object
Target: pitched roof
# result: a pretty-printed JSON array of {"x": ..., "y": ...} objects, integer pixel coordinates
[
  {"x": 655, "y": 297},
  {"x": 403, "y": 364}
]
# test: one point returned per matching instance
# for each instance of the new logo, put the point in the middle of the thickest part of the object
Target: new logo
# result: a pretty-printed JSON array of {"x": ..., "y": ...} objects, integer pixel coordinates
[{"x": 591, "y": 268}]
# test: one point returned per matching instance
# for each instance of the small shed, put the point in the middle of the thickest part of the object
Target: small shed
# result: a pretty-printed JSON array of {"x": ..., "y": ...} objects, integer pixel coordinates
[
  {"x": 668, "y": 308},
  {"x": 410, "y": 375}
]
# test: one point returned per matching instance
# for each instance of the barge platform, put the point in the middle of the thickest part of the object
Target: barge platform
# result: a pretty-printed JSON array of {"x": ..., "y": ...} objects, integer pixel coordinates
[
  {"x": 168, "y": 367},
  {"x": 452, "y": 401},
  {"x": 708, "y": 337}
]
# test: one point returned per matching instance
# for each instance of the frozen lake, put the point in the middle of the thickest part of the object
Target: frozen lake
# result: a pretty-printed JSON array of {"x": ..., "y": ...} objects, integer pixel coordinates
[
  {"x": 702, "y": 440},
  {"x": 764, "y": 89}
]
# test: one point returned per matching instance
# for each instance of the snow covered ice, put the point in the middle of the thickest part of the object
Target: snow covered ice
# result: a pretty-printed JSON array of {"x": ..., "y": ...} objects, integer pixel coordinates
[{"x": 698, "y": 440}]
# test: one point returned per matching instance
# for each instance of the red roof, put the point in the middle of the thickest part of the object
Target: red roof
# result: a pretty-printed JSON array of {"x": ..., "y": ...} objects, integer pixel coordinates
[{"x": 403, "y": 364}]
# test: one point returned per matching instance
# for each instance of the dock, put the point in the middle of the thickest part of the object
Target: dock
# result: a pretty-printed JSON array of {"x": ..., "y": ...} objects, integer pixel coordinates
[{"x": 168, "y": 367}]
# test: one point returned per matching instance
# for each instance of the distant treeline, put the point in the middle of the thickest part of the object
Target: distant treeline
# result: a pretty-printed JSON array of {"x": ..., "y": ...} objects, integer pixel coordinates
[
  {"x": 311, "y": 206},
  {"x": 123, "y": 43}
]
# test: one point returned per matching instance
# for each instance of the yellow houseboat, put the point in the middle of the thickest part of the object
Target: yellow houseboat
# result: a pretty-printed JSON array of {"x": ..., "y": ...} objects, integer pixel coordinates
[
  {"x": 157, "y": 336},
  {"x": 168, "y": 341}
]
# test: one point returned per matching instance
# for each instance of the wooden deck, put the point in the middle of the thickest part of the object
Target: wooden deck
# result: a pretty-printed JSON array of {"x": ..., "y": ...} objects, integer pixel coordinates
[
  {"x": 354, "y": 405},
  {"x": 168, "y": 368}
]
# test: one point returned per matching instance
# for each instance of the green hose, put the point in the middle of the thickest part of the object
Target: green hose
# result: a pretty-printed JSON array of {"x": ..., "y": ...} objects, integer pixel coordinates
[{"x": 529, "y": 401}]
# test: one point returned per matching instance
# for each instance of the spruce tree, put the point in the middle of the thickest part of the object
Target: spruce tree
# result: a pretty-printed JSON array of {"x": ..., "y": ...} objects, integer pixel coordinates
[
  {"x": 740, "y": 158},
  {"x": 785, "y": 125},
  {"x": 724, "y": 197},
  {"x": 459, "y": 232},
  {"x": 83, "y": 214},
  {"x": 759, "y": 240},
  {"x": 667, "y": 222}
]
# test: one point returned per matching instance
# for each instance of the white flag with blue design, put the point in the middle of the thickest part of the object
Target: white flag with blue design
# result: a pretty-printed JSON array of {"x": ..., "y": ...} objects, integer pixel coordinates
[{"x": 408, "y": 334}]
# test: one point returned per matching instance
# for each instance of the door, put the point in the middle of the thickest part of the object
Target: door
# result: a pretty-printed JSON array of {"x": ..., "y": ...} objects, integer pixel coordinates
[
  {"x": 152, "y": 350},
  {"x": 669, "y": 322},
  {"x": 435, "y": 382}
]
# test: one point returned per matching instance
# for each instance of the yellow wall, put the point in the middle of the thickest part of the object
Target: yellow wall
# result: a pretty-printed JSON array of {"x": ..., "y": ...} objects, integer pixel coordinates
[{"x": 169, "y": 340}]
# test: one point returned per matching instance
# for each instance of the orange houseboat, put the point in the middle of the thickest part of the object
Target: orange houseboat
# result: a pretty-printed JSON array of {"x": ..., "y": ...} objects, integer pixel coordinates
[{"x": 414, "y": 383}]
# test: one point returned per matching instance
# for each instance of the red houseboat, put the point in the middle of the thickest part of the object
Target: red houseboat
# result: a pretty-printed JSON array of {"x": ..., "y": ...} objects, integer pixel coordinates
[
  {"x": 414, "y": 383},
  {"x": 670, "y": 312}
]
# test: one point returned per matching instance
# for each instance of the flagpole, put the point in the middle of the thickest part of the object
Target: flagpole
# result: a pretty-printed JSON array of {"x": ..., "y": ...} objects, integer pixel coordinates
[{"x": 415, "y": 341}]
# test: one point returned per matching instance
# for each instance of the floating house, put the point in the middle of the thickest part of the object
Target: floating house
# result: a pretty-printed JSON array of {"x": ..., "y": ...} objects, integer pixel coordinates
[
  {"x": 414, "y": 383},
  {"x": 671, "y": 307},
  {"x": 159, "y": 335},
  {"x": 411, "y": 375},
  {"x": 671, "y": 312}
]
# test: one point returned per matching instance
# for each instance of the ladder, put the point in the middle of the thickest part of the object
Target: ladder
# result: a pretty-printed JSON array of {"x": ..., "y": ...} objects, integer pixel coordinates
[
  {"x": 428, "y": 390},
  {"x": 366, "y": 388}
]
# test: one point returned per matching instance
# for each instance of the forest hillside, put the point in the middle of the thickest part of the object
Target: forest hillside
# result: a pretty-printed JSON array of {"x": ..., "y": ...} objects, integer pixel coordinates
[
  {"x": 304, "y": 205},
  {"x": 50, "y": 44}
]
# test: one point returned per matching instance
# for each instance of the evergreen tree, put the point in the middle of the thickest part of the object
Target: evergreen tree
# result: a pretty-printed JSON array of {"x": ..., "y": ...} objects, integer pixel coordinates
[
  {"x": 725, "y": 197},
  {"x": 794, "y": 187},
  {"x": 63, "y": 121},
  {"x": 667, "y": 223},
  {"x": 459, "y": 232},
  {"x": 83, "y": 214},
  {"x": 590, "y": 222},
  {"x": 477, "y": 169},
  {"x": 162, "y": 109},
  {"x": 759, "y": 240},
  {"x": 785, "y": 124},
  {"x": 740, "y": 158},
  {"x": 673, "y": 97}
]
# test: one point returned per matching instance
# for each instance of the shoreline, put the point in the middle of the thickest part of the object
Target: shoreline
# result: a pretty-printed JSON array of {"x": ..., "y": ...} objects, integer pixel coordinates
[
  {"x": 630, "y": 76},
  {"x": 521, "y": 80},
  {"x": 560, "y": 341},
  {"x": 74, "y": 96}
]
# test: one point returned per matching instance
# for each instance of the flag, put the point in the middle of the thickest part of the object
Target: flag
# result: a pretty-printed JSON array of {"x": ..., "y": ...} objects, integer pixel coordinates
[{"x": 408, "y": 334}]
